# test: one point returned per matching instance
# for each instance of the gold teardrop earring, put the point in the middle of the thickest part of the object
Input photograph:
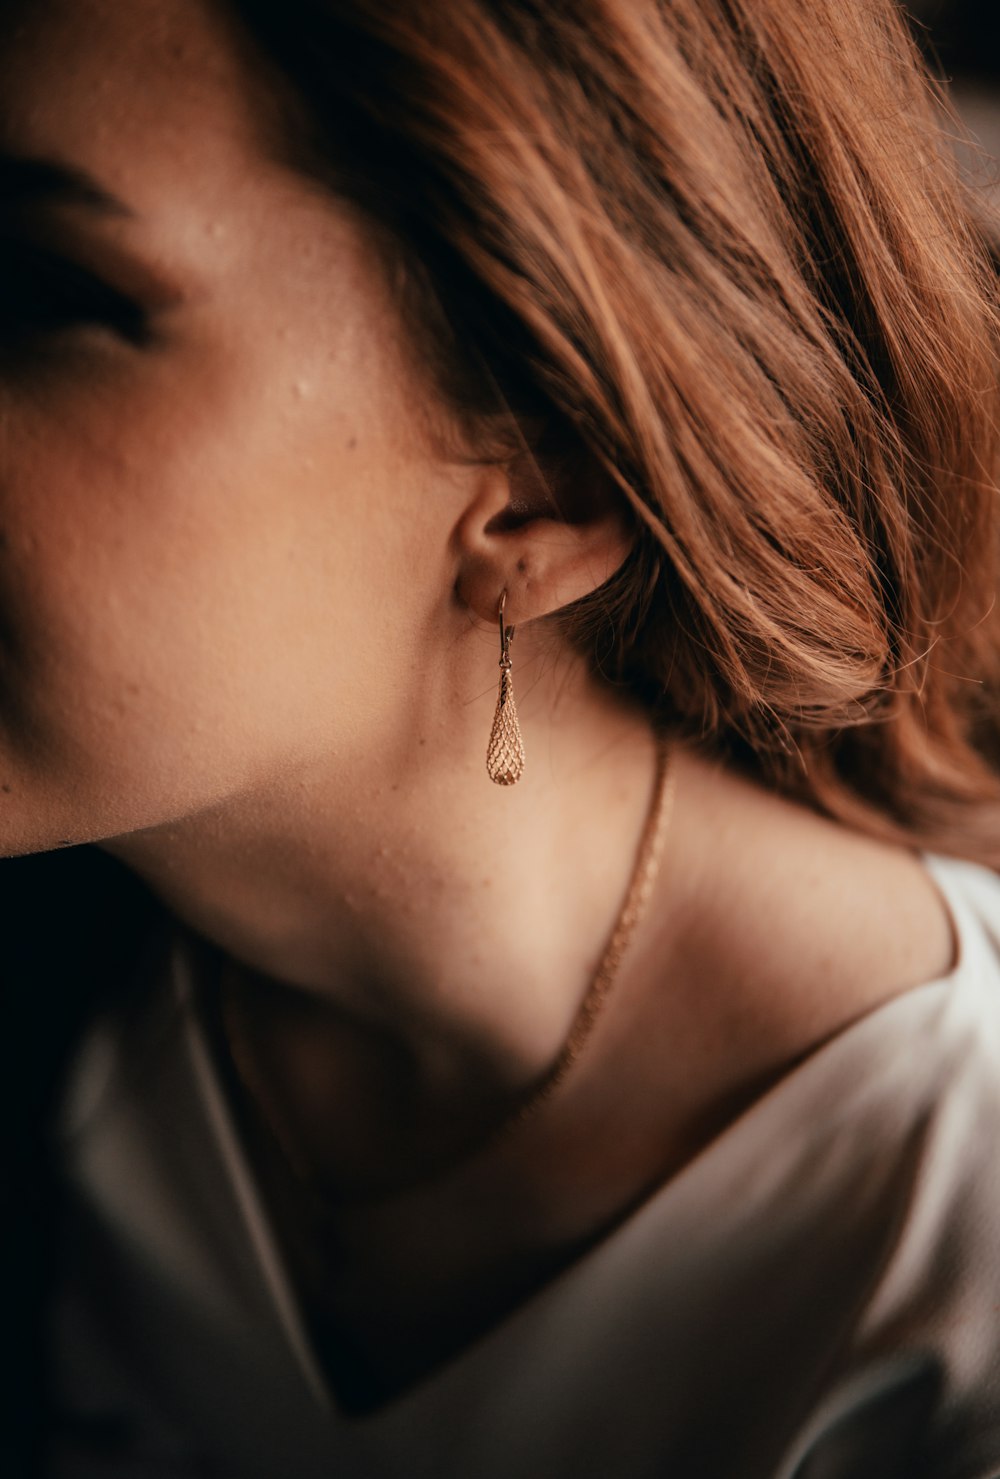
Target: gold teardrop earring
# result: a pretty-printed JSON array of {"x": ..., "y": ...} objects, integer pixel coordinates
[{"x": 505, "y": 752}]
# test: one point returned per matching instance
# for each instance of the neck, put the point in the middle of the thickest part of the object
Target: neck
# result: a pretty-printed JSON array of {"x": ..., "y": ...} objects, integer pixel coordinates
[{"x": 457, "y": 921}]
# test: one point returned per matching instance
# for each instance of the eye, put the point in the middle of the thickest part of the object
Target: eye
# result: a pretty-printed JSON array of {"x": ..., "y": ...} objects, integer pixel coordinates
[{"x": 41, "y": 293}]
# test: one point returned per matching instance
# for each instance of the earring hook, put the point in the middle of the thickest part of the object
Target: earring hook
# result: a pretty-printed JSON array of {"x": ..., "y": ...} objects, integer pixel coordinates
[{"x": 506, "y": 633}]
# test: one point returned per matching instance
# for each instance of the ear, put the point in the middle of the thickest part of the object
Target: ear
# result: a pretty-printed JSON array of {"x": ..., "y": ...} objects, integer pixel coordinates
[{"x": 514, "y": 536}]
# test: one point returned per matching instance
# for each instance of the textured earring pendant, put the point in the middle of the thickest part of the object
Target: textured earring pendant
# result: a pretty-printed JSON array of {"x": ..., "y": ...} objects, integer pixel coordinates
[{"x": 505, "y": 752}]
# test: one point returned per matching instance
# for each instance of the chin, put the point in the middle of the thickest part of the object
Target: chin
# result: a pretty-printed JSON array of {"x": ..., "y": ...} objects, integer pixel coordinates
[
  {"x": 18, "y": 840},
  {"x": 36, "y": 819}
]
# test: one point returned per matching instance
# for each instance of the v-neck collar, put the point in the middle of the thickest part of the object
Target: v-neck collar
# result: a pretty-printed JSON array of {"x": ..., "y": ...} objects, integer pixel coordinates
[{"x": 748, "y": 1167}]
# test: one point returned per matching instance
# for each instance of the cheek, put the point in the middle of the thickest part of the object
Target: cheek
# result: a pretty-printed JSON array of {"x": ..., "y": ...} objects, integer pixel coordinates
[{"x": 198, "y": 571}]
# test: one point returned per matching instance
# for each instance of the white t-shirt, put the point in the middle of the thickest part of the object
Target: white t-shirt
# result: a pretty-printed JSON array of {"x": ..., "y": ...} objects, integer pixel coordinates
[{"x": 816, "y": 1294}]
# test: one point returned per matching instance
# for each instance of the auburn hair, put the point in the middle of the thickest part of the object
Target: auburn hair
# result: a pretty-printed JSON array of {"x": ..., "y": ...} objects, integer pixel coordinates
[{"x": 719, "y": 250}]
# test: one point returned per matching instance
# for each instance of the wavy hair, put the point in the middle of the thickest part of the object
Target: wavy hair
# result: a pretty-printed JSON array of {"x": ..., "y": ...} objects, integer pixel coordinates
[{"x": 718, "y": 250}]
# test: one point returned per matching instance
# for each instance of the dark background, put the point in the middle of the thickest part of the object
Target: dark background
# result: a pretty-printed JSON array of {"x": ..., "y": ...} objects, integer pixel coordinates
[
  {"x": 961, "y": 40},
  {"x": 963, "y": 35}
]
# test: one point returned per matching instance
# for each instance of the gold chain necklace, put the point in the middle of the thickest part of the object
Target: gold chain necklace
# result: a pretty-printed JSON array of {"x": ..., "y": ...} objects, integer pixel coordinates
[{"x": 645, "y": 869}]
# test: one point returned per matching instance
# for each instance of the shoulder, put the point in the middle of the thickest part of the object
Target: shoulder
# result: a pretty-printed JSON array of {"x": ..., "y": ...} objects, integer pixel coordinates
[
  {"x": 795, "y": 923},
  {"x": 863, "y": 983},
  {"x": 814, "y": 943}
]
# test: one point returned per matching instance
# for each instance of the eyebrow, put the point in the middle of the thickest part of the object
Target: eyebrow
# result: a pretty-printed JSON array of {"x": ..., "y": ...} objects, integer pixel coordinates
[{"x": 26, "y": 180}]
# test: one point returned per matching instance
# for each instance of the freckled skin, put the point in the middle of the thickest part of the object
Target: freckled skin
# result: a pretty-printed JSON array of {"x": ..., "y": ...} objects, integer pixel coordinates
[
  {"x": 195, "y": 536},
  {"x": 248, "y": 639},
  {"x": 247, "y": 612}
]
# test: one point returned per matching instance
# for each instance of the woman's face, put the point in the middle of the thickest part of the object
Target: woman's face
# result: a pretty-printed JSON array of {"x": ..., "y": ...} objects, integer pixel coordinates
[{"x": 222, "y": 536}]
